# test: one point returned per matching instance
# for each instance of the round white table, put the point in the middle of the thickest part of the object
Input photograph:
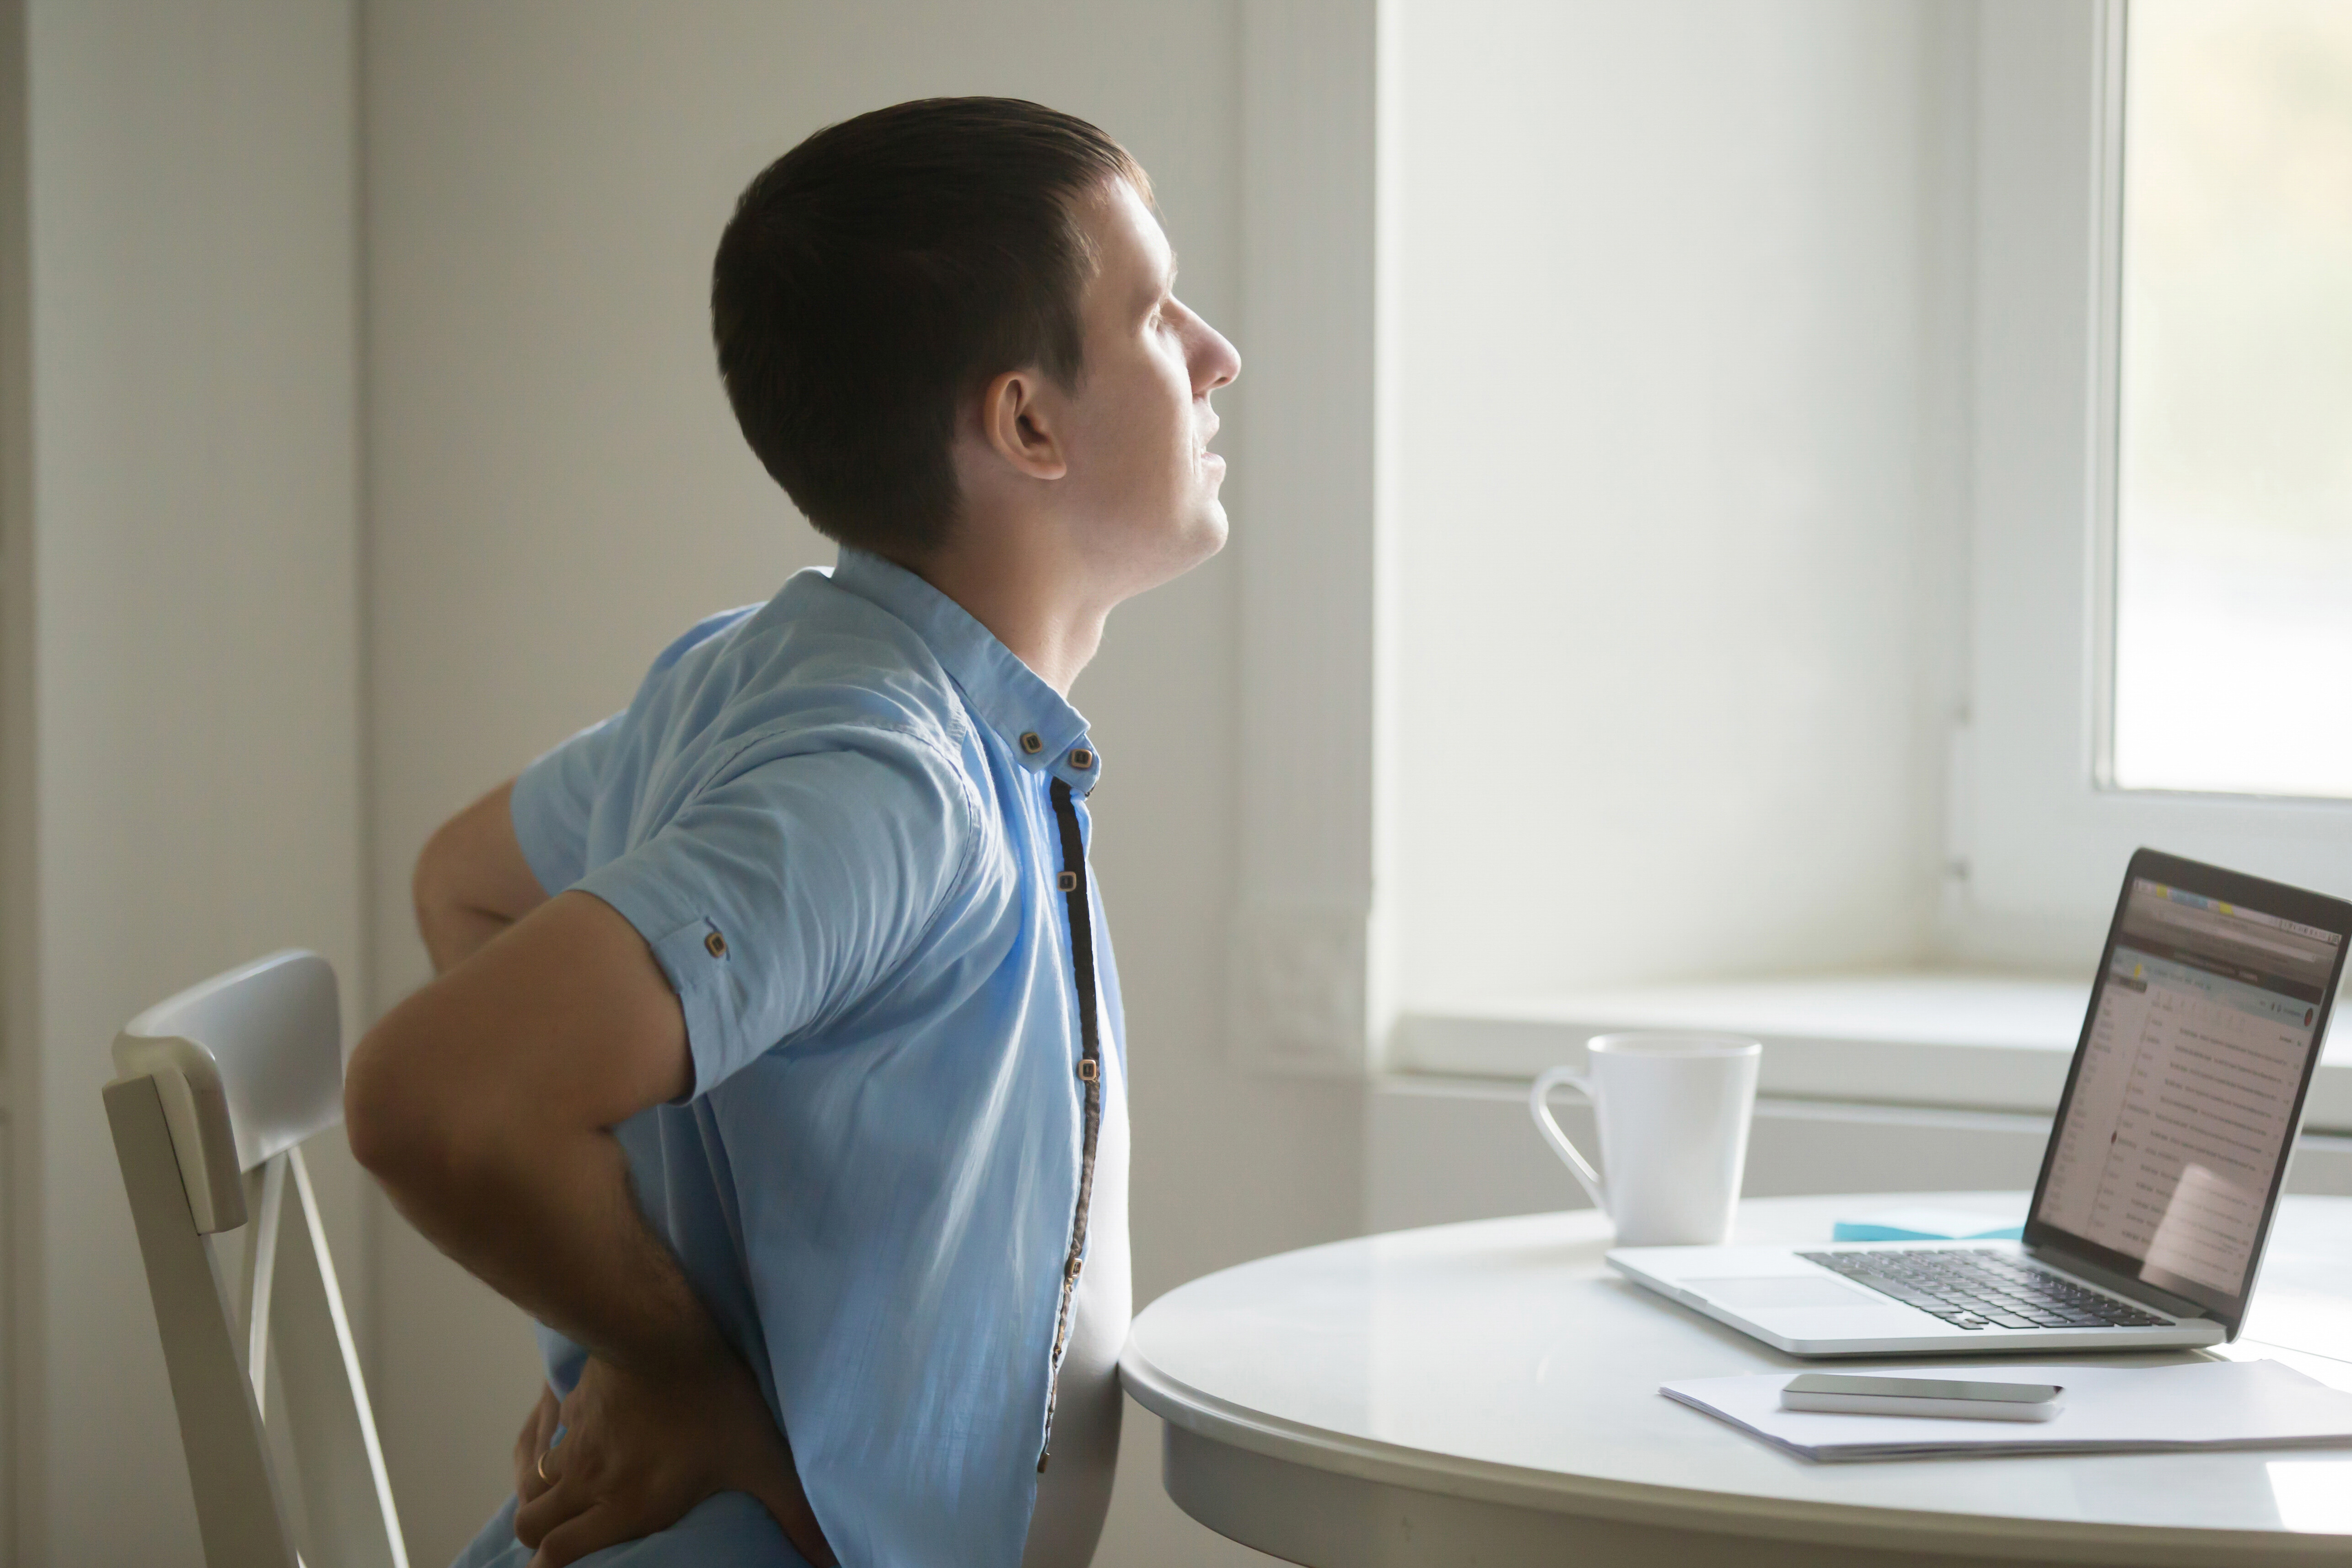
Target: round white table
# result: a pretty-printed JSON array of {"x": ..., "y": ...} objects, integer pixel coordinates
[{"x": 1487, "y": 1394}]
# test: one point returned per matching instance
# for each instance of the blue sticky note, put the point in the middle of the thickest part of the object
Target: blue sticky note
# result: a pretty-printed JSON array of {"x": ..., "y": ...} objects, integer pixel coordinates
[{"x": 1927, "y": 1224}]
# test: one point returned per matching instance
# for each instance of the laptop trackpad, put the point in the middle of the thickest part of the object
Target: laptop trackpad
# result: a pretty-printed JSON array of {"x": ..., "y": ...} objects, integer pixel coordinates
[{"x": 1783, "y": 1290}]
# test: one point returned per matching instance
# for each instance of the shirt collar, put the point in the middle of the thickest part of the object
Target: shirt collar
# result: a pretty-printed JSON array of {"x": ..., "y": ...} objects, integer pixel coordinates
[{"x": 1044, "y": 733}]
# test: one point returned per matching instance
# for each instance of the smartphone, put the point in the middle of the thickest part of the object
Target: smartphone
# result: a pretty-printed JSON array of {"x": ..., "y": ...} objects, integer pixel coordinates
[{"x": 1851, "y": 1395}]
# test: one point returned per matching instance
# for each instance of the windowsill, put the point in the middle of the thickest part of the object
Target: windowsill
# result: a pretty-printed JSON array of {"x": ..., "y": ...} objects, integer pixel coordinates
[{"x": 1942, "y": 1040}]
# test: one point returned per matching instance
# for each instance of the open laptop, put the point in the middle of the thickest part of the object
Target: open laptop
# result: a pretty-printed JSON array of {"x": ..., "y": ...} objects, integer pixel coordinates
[{"x": 2162, "y": 1173}]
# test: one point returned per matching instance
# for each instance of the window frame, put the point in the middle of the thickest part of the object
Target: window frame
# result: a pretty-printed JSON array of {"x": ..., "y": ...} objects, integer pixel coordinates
[{"x": 2043, "y": 829}]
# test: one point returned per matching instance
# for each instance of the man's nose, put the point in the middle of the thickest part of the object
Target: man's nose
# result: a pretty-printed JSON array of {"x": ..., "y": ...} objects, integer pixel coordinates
[{"x": 1219, "y": 363}]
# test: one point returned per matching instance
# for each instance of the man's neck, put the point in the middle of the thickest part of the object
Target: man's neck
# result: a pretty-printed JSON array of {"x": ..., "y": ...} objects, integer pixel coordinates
[{"x": 1035, "y": 604}]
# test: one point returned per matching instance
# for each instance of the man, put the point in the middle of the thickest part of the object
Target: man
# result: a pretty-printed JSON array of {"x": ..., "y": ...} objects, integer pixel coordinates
[{"x": 775, "y": 1061}]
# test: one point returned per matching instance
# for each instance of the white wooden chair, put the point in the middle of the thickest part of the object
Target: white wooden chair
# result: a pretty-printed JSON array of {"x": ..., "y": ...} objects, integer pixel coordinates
[{"x": 218, "y": 1088}]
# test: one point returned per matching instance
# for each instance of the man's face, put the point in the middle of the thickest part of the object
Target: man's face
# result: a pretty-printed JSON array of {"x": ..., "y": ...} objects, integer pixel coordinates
[{"x": 1144, "y": 483}]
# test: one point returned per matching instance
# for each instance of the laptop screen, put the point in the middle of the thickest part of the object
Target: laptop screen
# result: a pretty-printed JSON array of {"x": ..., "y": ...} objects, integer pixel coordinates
[{"x": 2187, "y": 1085}]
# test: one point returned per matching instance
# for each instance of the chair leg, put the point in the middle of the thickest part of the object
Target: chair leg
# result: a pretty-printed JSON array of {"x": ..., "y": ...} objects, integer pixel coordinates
[
  {"x": 265, "y": 1202},
  {"x": 346, "y": 1493},
  {"x": 220, "y": 1430}
]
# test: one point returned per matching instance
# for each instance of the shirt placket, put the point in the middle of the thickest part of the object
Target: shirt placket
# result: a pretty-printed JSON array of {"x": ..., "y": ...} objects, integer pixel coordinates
[{"x": 1072, "y": 883}]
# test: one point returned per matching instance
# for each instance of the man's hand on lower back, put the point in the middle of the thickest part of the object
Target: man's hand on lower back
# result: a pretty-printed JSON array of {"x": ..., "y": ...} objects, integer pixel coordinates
[
  {"x": 485, "y": 1103},
  {"x": 532, "y": 1444},
  {"x": 638, "y": 1451}
]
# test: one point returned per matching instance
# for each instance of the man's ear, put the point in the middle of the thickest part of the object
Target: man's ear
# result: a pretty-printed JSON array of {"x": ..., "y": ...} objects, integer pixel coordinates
[{"x": 1018, "y": 418}]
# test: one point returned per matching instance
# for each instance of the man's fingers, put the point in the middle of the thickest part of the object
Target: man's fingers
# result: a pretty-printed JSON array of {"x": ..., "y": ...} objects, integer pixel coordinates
[
  {"x": 547, "y": 1465},
  {"x": 538, "y": 1472},
  {"x": 594, "y": 1531},
  {"x": 530, "y": 1446},
  {"x": 526, "y": 1450},
  {"x": 568, "y": 1499}
]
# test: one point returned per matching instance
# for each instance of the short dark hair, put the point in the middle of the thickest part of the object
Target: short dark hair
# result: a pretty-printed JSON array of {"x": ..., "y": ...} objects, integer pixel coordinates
[{"x": 884, "y": 270}]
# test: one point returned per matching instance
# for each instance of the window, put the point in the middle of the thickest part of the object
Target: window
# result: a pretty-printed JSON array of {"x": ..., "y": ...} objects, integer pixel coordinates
[
  {"x": 2152, "y": 393},
  {"x": 2232, "y": 629}
]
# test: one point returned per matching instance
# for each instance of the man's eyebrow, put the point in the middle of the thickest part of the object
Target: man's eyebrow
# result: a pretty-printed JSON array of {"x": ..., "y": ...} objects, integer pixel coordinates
[{"x": 1162, "y": 287}]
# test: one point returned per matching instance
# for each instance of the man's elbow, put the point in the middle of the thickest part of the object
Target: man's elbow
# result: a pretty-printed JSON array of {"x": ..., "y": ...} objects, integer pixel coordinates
[
  {"x": 379, "y": 1111},
  {"x": 405, "y": 1120}
]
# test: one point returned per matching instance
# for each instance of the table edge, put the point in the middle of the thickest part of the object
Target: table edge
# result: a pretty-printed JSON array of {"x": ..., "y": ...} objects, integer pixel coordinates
[{"x": 1205, "y": 1415}]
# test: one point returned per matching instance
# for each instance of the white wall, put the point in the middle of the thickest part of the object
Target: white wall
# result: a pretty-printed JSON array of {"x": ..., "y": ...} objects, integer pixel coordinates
[
  {"x": 181, "y": 553},
  {"x": 556, "y": 487},
  {"x": 1681, "y": 424},
  {"x": 20, "y": 1015}
]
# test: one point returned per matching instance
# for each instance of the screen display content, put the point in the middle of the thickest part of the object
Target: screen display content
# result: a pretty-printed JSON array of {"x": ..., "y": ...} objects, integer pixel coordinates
[{"x": 2185, "y": 1097}]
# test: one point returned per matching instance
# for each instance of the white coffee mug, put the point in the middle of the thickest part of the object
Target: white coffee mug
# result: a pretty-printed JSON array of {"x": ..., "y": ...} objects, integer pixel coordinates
[{"x": 1672, "y": 1112}]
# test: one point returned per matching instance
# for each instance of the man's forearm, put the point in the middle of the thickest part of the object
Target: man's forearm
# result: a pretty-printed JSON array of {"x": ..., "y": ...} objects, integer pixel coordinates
[
  {"x": 483, "y": 1103},
  {"x": 551, "y": 1224}
]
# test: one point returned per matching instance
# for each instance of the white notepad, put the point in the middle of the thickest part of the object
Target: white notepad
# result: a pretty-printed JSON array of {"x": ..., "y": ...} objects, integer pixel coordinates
[{"x": 2109, "y": 1409}]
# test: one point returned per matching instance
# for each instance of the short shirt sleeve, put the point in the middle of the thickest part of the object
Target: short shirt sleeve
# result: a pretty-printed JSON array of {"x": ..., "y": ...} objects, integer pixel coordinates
[
  {"x": 554, "y": 799},
  {"x": 788, "y": 888}
]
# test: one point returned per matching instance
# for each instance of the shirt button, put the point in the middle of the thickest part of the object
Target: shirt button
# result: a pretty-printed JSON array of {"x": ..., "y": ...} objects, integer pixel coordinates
[
  {"x": 715, "y": 944},
  {"x": 1031, "y": 743},
  {"x": 1082, "y": 759}
]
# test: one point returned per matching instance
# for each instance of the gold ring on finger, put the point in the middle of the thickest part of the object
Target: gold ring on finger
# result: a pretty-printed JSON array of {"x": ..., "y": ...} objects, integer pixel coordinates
[{"x": 541, "y": 1468}]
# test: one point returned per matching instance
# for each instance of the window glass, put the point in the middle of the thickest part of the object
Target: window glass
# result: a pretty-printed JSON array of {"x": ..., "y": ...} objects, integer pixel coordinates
[{"x": 2234, "y": 559}]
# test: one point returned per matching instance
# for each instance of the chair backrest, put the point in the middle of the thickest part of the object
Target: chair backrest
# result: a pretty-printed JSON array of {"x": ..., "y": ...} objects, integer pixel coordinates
[{"x": 218, "y": 1088}]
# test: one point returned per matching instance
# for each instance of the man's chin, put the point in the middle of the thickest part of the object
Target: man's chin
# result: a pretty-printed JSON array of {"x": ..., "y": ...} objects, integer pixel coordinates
[
  {"x": 1212, "y": 529},
  {"x": 1202, "y": 536},
  {"x": 1174, "y": 548}
]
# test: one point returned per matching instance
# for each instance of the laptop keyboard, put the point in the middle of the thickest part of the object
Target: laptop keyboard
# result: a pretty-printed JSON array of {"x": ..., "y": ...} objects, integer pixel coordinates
[{"x": 1971, "y": 1288}]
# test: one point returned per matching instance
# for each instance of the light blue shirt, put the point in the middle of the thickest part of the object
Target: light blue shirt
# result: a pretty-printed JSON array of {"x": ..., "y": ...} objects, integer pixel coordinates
[{"x": 829, "y": 817}]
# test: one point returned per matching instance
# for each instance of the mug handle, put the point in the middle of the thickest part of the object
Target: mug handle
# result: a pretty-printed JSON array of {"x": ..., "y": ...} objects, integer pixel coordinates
[{"x": 1578, "y": 1166}]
